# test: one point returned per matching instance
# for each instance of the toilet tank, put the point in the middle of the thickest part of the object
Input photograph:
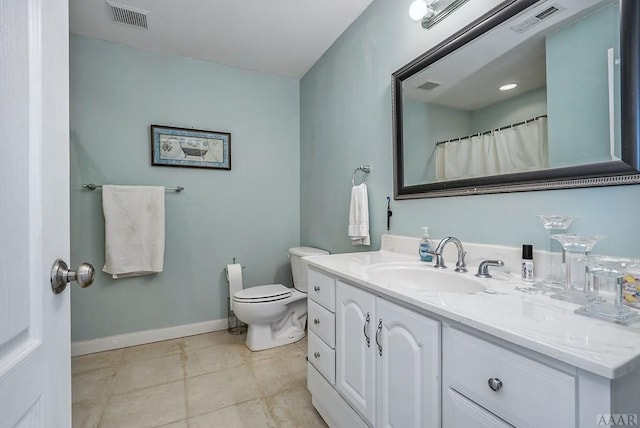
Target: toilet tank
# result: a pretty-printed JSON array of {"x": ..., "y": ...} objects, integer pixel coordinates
[{"x": 299, "y": 269}]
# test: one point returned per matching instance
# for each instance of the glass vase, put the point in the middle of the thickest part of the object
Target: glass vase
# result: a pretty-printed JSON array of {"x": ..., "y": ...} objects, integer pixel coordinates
[
  {"x": 555, "y": 256},
  {"x": 577, "y": 287}
]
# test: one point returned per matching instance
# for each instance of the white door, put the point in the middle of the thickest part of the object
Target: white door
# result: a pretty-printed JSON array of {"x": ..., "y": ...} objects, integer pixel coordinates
[
  {"x": 408, "y": 372},
  {"x": 35, "y": 372},
  {"x": 355, "y": 355}
]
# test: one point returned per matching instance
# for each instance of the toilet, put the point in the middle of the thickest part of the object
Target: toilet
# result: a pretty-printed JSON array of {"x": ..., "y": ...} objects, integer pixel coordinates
[{"x": 276, "y": 315}]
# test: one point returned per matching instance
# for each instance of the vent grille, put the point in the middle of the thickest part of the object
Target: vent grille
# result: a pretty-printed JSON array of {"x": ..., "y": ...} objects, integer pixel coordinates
[
  {"x": 429, "y": 85},
  {"x": 128, "y": 15},
  {"x": 537, "y": 18}
]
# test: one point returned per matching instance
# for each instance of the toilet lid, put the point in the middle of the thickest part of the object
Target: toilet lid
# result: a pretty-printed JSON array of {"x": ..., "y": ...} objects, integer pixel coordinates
[{"x": 263, "y": 293}]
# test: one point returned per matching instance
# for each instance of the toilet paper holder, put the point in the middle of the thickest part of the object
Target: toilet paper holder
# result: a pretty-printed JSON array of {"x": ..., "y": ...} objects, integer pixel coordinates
[{"x": 234, "y": 325}]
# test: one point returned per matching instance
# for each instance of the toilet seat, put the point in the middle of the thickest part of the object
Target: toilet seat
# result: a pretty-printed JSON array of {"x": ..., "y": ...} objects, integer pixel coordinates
[{"x": 263, "y": 294}]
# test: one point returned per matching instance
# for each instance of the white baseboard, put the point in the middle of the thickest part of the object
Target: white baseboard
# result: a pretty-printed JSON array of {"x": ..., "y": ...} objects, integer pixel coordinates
[{"x": 83, "y": 347}]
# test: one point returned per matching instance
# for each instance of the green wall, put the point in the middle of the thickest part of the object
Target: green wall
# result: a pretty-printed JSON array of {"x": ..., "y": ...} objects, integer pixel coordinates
[
  {"x": 250, "y": 212},
  {"x": 345, "y": 113}
]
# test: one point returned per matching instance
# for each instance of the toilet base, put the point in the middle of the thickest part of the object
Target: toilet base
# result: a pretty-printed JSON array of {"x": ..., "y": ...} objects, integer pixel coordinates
[{"x": 260, "y": 337}]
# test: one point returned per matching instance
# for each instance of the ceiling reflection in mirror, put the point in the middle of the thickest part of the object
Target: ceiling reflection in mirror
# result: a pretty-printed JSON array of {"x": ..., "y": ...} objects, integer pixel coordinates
[{"x": 539, "y": 92}]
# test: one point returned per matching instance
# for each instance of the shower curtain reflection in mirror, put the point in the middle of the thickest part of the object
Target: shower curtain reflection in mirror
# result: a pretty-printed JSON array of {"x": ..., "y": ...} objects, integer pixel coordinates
[{"x": 518, "y": 148}]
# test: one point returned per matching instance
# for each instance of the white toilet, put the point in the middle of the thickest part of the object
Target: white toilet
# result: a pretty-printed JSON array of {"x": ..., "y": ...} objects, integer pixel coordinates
[{"x": 276, "y": 314}]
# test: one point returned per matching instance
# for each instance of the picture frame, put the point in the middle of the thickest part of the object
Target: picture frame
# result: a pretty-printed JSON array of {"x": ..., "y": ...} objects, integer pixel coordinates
[{"x": 191, "y": 148}]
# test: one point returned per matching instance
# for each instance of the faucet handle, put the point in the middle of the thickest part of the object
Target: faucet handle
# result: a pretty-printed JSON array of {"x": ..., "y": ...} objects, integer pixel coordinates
[{"x": 483, "y": 269}]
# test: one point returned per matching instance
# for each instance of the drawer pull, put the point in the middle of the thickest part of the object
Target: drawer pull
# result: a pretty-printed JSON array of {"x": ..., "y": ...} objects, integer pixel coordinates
[
  {"x": 316, "y": 354},
  {"x": 377, "y": 333},
  {"x": 365, "y": 328},
  {"x": 316, "y": 321},
  {"x": 316, "y": 288},
  {"x": 495, "y": 384}
]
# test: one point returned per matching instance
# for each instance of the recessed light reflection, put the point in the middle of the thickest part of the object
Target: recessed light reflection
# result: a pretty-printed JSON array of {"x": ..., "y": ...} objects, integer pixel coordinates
[{"x": 508, "y": 86}]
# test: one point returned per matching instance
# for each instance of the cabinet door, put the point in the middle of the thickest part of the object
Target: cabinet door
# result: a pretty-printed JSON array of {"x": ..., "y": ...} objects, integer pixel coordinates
[
  {"x": 408, "y": 372},
  {"x": 355, "y": 357}
]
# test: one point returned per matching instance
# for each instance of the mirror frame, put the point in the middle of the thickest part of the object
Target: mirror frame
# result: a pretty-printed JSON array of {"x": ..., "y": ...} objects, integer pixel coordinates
[{"x": 609, "y": 173}]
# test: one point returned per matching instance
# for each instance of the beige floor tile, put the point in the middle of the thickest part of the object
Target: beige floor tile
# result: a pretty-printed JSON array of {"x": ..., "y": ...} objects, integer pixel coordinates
[
  {"x": 153, "y": 350},
  {"x": 276, "y": 374},
  {"x": 252, "y": 413},
  {"x": 143, "y": 373},
  {"x": 86, "y": 414},
  {"x": 213, "y": 391},
  {"x": 99, "y": 360},
  {"x": 215, "y": 338},
  {"x": 213, "y": 358},
  {"x": 92, "y": 386},
  {"x": 150, "y": 407},
  {"x": 179, "y": 424},
  {"x": 292, "y": 408}
]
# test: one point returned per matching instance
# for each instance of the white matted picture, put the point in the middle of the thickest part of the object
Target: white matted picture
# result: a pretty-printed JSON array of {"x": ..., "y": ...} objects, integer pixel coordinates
[{"x": 171, "y": 146}]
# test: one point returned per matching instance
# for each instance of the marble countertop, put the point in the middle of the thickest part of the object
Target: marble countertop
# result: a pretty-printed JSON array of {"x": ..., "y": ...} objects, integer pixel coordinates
[{"x": 533, "y": 321}]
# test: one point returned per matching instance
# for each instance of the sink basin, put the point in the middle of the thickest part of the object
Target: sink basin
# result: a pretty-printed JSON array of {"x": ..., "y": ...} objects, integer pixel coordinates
[{"x": 423, "y": 277}]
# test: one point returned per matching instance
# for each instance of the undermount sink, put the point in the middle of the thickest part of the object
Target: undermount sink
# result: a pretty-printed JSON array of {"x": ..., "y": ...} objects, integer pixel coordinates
[{"x": 423, "y": 277}]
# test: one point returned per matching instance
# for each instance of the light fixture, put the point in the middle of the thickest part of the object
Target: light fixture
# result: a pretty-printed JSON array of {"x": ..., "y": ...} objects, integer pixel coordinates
[
  {"x": 508, "y": 86},
  {"x": 433, "y": 12}
]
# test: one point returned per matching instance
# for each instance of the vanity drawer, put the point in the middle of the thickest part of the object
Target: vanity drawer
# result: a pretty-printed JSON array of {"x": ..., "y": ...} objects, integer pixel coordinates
[
  {"x": 528, "y": 394},
  {"x": 322, "y": 357},
  {"x": 458, "y": 411},
  {"x": 322, "y": 323},
  {"x": 321, "y": 288}
]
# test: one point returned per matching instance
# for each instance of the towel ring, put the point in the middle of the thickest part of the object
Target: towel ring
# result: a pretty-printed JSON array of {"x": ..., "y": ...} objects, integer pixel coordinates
[{"x": 364, "y": 168}]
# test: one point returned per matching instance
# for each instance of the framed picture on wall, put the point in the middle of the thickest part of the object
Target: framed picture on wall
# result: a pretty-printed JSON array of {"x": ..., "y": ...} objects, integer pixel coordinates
[{"x": 194, "y": 148}]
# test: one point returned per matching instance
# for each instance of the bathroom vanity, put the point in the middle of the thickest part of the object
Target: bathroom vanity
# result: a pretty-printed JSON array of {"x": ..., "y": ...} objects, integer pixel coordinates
[{"x": 387, "y": 349}]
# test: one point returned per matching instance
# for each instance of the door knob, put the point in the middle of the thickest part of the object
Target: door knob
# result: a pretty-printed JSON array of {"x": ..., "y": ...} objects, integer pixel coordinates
[{"x": 61, "y": 275}]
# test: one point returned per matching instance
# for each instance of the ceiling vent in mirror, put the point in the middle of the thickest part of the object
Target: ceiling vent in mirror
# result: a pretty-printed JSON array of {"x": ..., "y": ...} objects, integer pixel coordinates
[
  {"x": 129, "y": 15},
  {"x": 537, "y": 18},
  {"x": 429, "y": 85}
]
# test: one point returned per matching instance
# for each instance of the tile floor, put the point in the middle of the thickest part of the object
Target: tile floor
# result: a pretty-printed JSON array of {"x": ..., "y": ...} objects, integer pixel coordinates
[{"x": 209, "y": 380}]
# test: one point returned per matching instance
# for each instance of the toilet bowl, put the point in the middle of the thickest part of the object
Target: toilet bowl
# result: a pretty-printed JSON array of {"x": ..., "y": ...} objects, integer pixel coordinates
[{"x": 276, "y": 315}]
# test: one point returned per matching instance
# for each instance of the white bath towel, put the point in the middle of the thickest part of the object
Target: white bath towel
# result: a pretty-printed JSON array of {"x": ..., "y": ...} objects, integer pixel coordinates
[
  {"x": 359, "y": 216},
  {"x": 134, "y": 230}
]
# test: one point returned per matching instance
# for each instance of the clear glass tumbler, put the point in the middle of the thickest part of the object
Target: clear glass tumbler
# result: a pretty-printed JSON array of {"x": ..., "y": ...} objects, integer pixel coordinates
[
  {"x": 609, "y": 271},
  {"x": 576, "y": 285}
]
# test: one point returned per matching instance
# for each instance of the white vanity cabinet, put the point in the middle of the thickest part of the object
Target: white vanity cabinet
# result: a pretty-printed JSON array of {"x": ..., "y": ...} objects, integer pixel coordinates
[
  {"x": 387, "y": 360},
  {"x": 321, "y": 322}
]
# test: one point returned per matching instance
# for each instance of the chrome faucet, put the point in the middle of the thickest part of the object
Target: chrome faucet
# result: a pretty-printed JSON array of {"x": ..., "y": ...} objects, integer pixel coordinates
[{"x": 461, "y": 266}]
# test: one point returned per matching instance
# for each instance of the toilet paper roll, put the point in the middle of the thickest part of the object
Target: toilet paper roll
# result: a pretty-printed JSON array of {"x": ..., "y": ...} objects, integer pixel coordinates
[{"x": 234, "y": 275}]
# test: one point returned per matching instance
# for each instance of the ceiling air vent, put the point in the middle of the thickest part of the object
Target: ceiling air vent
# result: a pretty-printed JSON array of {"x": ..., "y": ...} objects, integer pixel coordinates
[
  {"x": 129, "y": 15},
  {"x": 429, "y": 85},
  {"x": 537, "y": 18}
]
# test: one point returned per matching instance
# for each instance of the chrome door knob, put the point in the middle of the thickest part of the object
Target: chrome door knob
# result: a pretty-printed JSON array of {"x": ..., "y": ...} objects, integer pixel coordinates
[
  {"x": 316, "y": 321},
  {"x": 316, "y": 354},
  {"x": 495, "y": 384},
  {"x": 61, "y": 275},
  {"x": 316, "y": 288}
]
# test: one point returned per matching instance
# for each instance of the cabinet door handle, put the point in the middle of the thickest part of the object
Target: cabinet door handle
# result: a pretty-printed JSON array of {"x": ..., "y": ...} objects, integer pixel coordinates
[
  {"x": 316, "y": 321},
  {"x": 495, "y": 384},
  {"x": 364, "y": 330},
  {"x": 316, "y": 288},
  {"x": 377, "y": 340},
  {"x": 316, "y": 354}
]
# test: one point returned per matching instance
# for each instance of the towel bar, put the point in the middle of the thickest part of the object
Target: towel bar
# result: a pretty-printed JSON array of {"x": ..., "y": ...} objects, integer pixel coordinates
[
  {"x": 91, "y": 186},
  {"x": 364, "y": 168}
]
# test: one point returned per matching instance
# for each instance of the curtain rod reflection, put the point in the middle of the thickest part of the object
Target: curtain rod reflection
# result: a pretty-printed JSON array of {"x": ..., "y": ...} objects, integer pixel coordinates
[{"x": 493, "y": 130}]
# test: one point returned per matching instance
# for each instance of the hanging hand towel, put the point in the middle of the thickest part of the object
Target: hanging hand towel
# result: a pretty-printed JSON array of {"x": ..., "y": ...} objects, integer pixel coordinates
[
  {"x": 359, "y": 215},
  {"x": 134, "y": 230}
]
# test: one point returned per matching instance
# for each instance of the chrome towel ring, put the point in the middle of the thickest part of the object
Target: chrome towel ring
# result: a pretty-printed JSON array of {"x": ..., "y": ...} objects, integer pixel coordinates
[{"x": 364, "y": 168}]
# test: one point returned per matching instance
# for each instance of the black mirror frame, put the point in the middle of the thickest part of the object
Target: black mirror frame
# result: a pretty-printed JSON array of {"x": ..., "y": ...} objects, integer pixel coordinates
[{"x": 610, "y": 173}]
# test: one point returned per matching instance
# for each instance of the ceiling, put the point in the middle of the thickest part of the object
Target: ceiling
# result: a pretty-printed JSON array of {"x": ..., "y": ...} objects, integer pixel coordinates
[{"x": 282, "y": 37}]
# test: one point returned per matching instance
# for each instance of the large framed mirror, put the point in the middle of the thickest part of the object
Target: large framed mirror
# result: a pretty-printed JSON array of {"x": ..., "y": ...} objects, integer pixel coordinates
[{"x": 534, "y": 95}]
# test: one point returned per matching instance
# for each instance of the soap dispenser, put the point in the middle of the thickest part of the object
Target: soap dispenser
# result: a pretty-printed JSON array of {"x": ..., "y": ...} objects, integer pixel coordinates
[{"x": 425, "y": 246}]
